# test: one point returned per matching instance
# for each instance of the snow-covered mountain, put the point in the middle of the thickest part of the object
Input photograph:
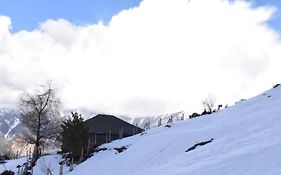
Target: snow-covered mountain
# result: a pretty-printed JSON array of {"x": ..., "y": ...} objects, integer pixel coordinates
[
  {"x": 139, "y": 121},
  {"x": 243, "y": 139},
  {"x": 153, "y": 121},
  {"x": 9, "y": 122}
]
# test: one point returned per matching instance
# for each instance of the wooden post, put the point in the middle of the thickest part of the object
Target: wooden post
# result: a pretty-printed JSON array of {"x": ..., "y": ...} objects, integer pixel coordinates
[
  {"x": 30, "y": 153},
  {"x": 121, "y": 133},
  {"x": 89, "y": 146},
  {"x": 43, "y": 149},
  {"x": 136, "y": 128},
  {"x": 61, "y": 169},
  {"x": 109, "y": 136},
  {"x": 17, "y": 156},
  {"x": 18, "y": 169},
  {"x": 160, "y": 122},
  {"x": 71, "y": 165},
  {"x": 148, "y": 124},
  {"x": 145, "y": 126},
  {"x": 182, "y": 116},
  {"x": 82, "y": 155},
  {"x": 39, "y": 152}
]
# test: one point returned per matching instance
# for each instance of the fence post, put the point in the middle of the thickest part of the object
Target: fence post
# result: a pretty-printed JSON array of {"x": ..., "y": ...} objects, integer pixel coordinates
[
  {"x": 121, "y": 133},
  {"x": 89, "y": 146},
  {"x": 81, "y": 156},
  {"x": 61, "y": 169},
  {"x": 18, "y": 167},
  {"x": 160, "y": 122},
  {"x": 95, "y": 141},
  {"x": 71, "y": 165}
]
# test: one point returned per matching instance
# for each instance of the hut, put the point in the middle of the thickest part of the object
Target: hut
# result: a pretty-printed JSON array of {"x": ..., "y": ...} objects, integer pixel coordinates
[{"x": 105, "y": 128}]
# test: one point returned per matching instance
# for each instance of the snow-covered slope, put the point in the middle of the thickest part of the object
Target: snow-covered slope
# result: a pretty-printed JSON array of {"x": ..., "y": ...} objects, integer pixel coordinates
[
  {"x": 45, "y": 163},
  {"x": 247, "y": 140},
  {"x": 9, "y": 122}
]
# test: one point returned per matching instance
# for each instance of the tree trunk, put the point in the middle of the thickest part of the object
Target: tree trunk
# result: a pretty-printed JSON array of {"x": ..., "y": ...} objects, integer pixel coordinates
[{"x": 37, "y": 143}]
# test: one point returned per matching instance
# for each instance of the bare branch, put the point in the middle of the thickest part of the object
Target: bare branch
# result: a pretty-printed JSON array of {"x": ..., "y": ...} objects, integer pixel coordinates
[
  {"x": 40, "y": 114},
  {"x": 209, "y": 103}
]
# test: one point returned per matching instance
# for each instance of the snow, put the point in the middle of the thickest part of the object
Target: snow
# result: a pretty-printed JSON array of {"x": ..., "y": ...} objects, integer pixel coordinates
[
  {"x": 14, "y": 125},
  {"x": 12, "y": 164},
  {"x": 45, "y": 162},
  {"x": 9, "y": 122},
  {"x": 49, "y": 162},
  {"x": 247, "y": 141}
]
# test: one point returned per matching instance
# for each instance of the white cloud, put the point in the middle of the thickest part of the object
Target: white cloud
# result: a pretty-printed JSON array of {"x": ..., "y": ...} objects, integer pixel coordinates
[{"x": 163, "y": 56}]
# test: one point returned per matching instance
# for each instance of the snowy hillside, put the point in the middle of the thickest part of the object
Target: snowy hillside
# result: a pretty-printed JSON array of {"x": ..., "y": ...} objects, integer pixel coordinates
[
  {"x": 241, "y": 140},
  {"x": 247, "y": 140},
  {"x": 43, "y": 164}
]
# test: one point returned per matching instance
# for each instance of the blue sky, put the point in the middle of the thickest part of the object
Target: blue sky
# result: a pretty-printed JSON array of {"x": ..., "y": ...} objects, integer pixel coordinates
[
  {"x": 28, "y": 14},
  {"x": 276, "y": 21}
]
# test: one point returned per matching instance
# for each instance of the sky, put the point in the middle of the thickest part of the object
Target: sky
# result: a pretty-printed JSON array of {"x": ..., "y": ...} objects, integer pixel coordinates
[
  {"x": 135, "y": 58},
  {"x": 28, "y": 14}
]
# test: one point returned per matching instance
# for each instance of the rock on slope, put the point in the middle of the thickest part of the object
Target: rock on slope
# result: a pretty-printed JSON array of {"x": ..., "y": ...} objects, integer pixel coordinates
[{"x": 247, "y": 140}]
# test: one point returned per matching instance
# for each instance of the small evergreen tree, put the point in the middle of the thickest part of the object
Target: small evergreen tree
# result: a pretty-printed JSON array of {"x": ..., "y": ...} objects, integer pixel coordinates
[{"x": 74, "y": 135}]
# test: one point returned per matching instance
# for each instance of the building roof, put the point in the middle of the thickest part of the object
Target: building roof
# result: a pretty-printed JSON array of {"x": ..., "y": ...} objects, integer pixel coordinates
[{"x": 104, "y": 123}]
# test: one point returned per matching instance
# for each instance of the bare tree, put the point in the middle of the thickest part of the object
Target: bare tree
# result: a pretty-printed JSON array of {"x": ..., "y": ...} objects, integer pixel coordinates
[
  {"x": 40, "y": 114},
  {"x": 209, "y": 103}
]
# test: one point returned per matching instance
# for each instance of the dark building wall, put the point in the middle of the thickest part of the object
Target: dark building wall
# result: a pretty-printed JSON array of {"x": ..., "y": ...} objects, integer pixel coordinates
[{"x": 106, "y": 128}]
